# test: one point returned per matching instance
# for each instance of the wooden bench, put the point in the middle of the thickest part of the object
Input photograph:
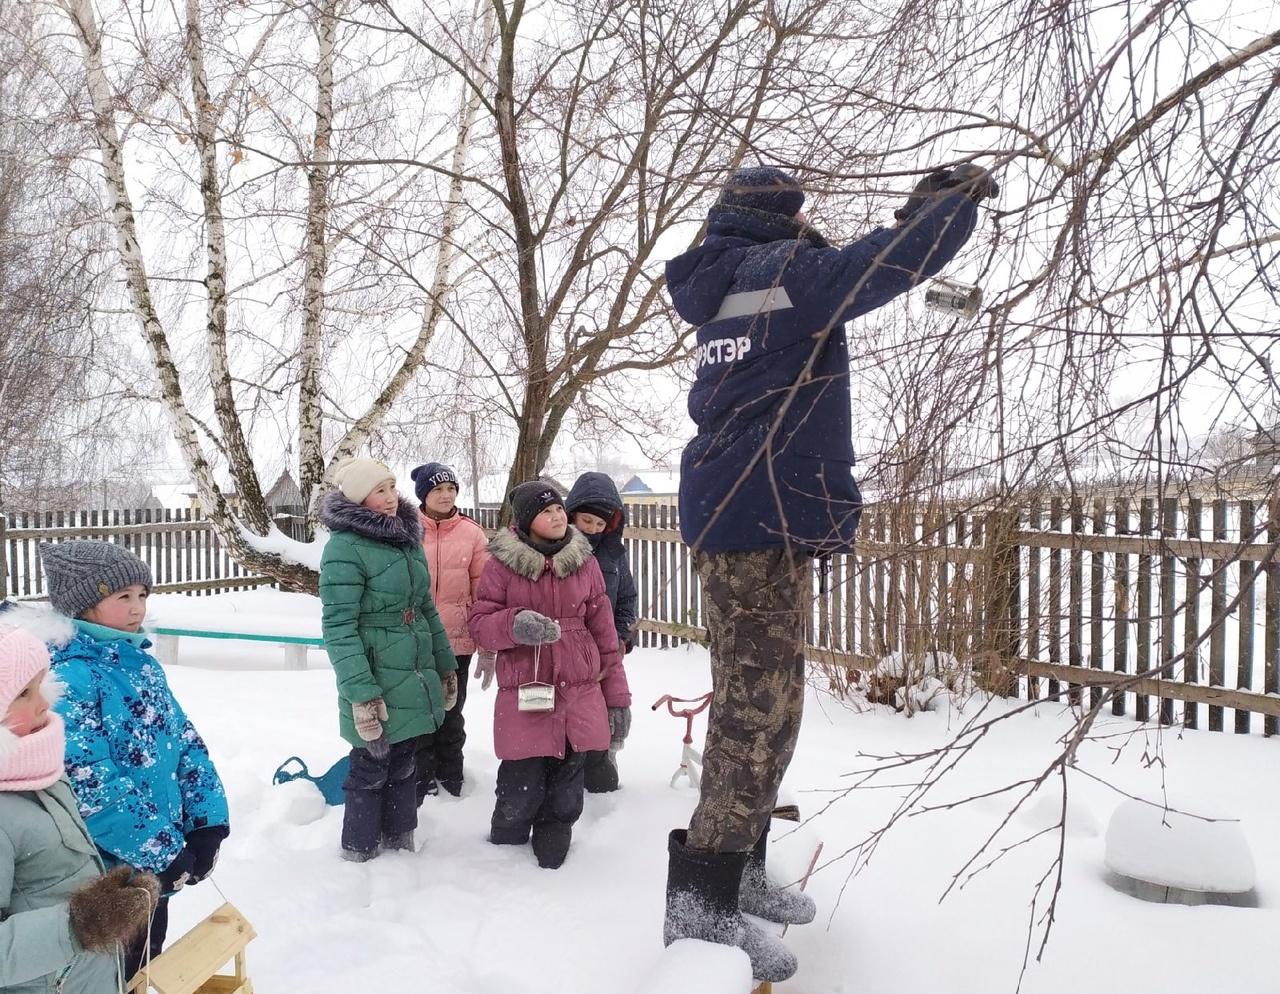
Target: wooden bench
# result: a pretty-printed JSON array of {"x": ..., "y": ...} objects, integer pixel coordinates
[{"x": 295, "y": 646}]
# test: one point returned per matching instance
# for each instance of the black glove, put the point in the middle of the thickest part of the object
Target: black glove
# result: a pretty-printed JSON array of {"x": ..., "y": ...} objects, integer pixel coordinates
[
  {"x": 203, "y": 844},
  {"x": 176, "y": 874},
  {"x": 627, "y": 646},
  {"x": 976, "y": 181}
]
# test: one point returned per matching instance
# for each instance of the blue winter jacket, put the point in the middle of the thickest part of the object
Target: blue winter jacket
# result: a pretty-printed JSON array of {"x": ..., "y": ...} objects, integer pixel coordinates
[
  {"x": 769, "y": 300},
  {"x": 598, "y": 490},
  {"x": 142, "y": 775}
]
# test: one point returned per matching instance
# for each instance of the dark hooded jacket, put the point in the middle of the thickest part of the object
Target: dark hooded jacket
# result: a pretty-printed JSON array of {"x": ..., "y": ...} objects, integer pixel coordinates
[
  {"x": 598, "y": 490},
  {"x": 770, "y": 299}
]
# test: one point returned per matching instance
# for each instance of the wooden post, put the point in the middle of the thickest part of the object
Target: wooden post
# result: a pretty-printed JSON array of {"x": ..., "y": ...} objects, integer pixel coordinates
[
  {"x": 4, "y": 558},
  {"x": 1001, "y": 607},
  {"x": 1054, "y": 613},
  {"x": 1120, "y": 661},
  {"x": 1168, "y": 603},
  {"x": 1248, "y": 600},
  {"x": 1271, "y": 641},
  {"x": 1191, "y": 620},
  {"x": 1075, "y": 599},
  {"x": 1033, "y": 600},
  {"x": 1217, "y": 612},
  {"x": 1097, "y": 574},
  {"x": 1146, "y": 514}
]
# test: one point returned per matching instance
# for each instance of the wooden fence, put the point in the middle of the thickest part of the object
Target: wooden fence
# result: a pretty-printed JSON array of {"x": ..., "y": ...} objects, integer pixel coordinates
[
  {"x": 1062, "y": 598},
  {"x": 180, "y": 546},
  {"x": 1059, "y": 599}
]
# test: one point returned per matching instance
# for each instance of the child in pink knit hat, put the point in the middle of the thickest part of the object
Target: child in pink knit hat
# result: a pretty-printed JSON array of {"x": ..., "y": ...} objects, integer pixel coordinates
[{"x": 61, "y": 919}]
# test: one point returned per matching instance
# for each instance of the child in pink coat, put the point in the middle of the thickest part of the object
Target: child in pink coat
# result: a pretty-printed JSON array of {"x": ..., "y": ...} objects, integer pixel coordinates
[
  {"x": 542, "y": 605},
  {"x": 456, "y": 549}
]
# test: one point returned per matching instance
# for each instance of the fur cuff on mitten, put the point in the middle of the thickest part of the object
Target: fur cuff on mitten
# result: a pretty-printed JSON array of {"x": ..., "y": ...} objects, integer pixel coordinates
[
  {"x": 450, "y": 683},
  {"x": 112, "y": 909}
]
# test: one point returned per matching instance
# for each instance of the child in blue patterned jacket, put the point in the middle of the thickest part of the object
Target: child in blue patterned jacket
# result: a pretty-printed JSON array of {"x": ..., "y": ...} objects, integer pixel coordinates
[{"x": 142, "y": 776}]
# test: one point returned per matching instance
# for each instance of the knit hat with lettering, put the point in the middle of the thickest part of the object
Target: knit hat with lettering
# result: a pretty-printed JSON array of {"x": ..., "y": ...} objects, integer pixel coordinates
[
  {"x": 429, "y": 476},
  {"x": 530, "y": 499}
]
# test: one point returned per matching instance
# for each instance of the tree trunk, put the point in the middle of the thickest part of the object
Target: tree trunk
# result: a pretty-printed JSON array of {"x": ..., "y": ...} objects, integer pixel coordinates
[
  {"x": 311, "y": 351},
  {"x": 240, "y": 461},
  {"x": 124, "y": 223}
]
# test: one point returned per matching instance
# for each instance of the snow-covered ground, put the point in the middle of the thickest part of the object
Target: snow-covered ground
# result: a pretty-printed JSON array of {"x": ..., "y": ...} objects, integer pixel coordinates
[{"x": 463, "y": 916}]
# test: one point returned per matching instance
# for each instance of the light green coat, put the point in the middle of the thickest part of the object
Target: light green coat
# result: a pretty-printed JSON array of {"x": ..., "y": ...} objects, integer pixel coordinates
[{"x": 45, "y": 856}]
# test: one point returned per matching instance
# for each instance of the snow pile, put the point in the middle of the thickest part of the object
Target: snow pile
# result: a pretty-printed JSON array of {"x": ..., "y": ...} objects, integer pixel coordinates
[
  {"x": 706, "y": 967},
  {"x": 461, "y": 916},
  {"x": 933, "y": 681},
  {"x": 277, "y": 543},
  {"x": 1149, "y": 843}
]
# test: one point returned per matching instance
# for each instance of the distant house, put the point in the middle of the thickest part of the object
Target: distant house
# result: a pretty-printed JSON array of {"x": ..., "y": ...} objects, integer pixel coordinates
[
  {"x": 285, "y": 492},
  {"x": 652, "y": 485}
]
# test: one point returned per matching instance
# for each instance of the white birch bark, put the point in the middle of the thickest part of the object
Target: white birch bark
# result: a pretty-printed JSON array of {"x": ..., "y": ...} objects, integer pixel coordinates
[
  {"x": 239, "y": 459},
  {"x": 124, "y": 223},
  {"x": 311, "y": 350}
]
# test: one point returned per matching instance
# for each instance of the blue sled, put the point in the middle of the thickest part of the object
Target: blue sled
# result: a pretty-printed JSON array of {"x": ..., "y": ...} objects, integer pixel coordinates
[{"x": 329, "y": 784}]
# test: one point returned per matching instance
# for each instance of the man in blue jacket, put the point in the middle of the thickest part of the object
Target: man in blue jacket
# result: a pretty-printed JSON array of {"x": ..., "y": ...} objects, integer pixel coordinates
[{"x": 766, "y": 485}]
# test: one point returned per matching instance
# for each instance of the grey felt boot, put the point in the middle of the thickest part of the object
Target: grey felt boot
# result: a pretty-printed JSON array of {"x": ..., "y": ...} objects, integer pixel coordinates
[
  {"x": 702, "y": 903},
  {"x": 763, "y": 898}
]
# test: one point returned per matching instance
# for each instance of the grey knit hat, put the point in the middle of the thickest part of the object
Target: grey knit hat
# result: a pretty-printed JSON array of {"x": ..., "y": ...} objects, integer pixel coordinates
[{"x": 83, "y": 573}]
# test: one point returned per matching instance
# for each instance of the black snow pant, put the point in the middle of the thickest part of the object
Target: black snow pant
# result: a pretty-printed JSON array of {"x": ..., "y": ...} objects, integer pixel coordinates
[
  {"x": 542, "y": 796},
  {"x": 601, "y": 772},
  {"x": 135, "y": 953},
  {"x": 380, "y": 797},
  {"x": 439, "y": 754}
]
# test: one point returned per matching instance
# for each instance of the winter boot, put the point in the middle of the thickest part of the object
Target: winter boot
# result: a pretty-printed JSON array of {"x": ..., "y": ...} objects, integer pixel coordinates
[
  {"x": 401, "y": 841},
  {"x": 359, "y": 855},
  {"x": 763, "y": 898},
  {"x": 702, "y": 903},
  {"x": 551, "y": 843}
]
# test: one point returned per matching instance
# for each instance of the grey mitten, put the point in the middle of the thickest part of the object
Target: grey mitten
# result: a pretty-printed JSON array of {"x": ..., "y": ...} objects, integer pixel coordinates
[
  {"x": 532, "y": 628},
  {"x": 486, "y": 666},
  {"x": 112, "y": 909},
  {"x": 619, "y": 726}
]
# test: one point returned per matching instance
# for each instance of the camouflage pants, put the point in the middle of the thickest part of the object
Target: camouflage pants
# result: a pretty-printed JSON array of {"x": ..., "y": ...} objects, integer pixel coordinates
[{"x": 754, "y": 603}]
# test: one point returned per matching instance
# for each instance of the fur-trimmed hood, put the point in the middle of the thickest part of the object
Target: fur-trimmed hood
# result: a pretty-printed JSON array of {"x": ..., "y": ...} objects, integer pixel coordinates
[
  {"x": 339, "y": 513},
  {"x": 43, "y": 622},
  {"x": 526, "y": 561}
]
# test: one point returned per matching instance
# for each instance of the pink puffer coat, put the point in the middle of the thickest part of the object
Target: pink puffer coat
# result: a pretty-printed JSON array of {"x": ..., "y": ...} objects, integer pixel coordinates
[
  {"x": 456, "y": 550},
  {"x": 584, "y": 665}
]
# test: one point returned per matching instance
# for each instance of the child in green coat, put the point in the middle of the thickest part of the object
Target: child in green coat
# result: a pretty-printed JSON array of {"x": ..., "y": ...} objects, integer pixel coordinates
[
  {"x": 61, "y": 920},
  {"x": 396, "y": 672}
]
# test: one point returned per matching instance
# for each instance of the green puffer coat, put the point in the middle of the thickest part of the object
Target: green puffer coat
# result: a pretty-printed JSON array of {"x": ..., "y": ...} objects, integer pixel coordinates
[{"x": 380, "y": 626}]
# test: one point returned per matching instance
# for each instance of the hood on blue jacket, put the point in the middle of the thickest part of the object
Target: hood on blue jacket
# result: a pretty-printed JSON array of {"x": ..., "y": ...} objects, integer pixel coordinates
[
  {"x": 597, "y": 490},
  {"x": 700, "y": 279}
]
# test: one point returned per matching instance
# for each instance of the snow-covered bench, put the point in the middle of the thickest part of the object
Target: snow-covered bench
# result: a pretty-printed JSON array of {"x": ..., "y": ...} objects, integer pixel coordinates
[
  {"x": 288, "y": 620},
  {"x": 295, "y": 647}
]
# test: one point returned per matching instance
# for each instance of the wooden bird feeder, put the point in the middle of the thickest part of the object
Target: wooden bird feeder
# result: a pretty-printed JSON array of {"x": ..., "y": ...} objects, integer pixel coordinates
[{"x": 190, "y": 965}]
